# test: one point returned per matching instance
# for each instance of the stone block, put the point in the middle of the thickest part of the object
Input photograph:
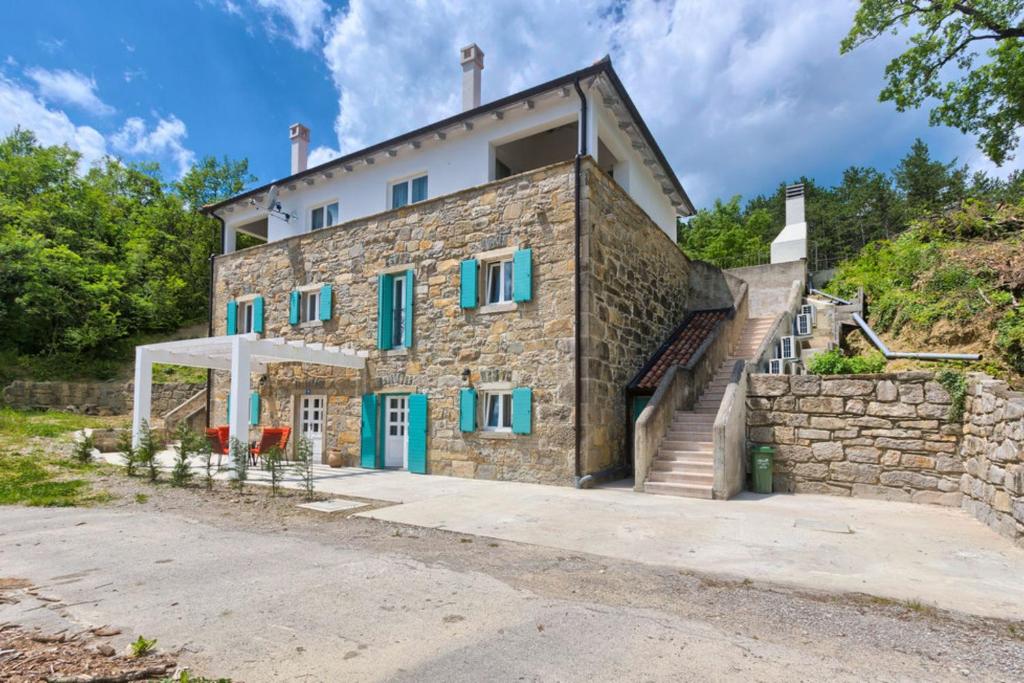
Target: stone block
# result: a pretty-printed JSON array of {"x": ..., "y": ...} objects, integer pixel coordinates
[
  {"x": 900, "y": 444},
  {"x": 949, "y": 499},
  {"x": 854, "y": 472},
  {"x": 1005, "y": 452},
  {"x": 805, "y": 385},
  {"x": 891, "y": 458},
  {"x": 810, "y": 470},
  {"x": 820, "y": 488},
  {"x": 813, "y": 434},
  {"x": 821, "y": 404},
  {"x": 818, "y": 422},
  {"x": 911, "y": 393},
  {"x": 933, "y": 410},
  {"x": 865, "y": 454},
  {"x": 793, "y": 453},
  {"x": 886, "y": 391},
  {"x": 769, "y": 385},
  {"x": 880, "y": 493},
  {"x": 935, "y": 393},
  {"x": 828, "y": 451},
  {"x": 846, "y": 387},
  {"x": 914, "y": 480},
  {"x": 856, "y": 406},
  {"x": 761, "y": 434},
  {"x": 878, "y": 409},
  {"x": 872, "y": 422},
  {"x": 921, "y": 462},
  {"x": 949, "y": 463}
]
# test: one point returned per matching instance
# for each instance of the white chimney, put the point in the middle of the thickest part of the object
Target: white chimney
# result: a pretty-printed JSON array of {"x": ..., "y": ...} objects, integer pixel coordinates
[
  {"x": 299, "y": 135},
  {"x": 472, "y": 58},
  {"x": 795, "y": 204}
]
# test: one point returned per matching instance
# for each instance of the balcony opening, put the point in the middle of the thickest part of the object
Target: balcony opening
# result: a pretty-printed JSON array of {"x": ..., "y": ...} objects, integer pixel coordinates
[
  {"x": 245, "y": 236},
  {"x": 534, "y": 151}
]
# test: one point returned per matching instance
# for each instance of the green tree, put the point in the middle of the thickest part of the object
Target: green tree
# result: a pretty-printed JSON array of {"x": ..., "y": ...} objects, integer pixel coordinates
[
  {"x": 725, "y": 236},
  {"x": 985, "y": 95},
  {"x": 929, "y": 185}
]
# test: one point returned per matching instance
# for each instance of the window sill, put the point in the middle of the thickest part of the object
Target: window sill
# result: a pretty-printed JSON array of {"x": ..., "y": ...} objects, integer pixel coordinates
[
  {"x": 506, "y": 307},
  {"x": 401, "y": 351},
  {"x": 483, "y": 434},
  {"x": 310, "y": 323}
]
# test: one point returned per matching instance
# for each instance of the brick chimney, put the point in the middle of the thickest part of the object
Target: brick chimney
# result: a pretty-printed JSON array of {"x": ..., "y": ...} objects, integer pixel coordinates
[
  {"x": 299, "y": 135},
  {"x": 472, "y": 58}
]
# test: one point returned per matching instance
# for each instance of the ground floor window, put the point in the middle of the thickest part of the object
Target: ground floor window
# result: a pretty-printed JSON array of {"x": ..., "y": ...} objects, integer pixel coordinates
[
  {"x": 310, "y": 306},
  {"x": 498, "y": 411}
]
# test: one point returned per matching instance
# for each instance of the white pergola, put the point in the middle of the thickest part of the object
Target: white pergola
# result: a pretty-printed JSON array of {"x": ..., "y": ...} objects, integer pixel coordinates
[{"x": 241, "y": 354}]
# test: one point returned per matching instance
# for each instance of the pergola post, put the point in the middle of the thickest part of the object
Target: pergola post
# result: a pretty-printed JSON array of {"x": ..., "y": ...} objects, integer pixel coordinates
[
  {"x": 238, "y": 418},
  {"x": 143, "y": 393}
]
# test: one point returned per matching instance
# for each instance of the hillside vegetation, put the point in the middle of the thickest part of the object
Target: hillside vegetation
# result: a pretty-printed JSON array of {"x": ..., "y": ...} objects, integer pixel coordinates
[{"x": 952, "y": 282}]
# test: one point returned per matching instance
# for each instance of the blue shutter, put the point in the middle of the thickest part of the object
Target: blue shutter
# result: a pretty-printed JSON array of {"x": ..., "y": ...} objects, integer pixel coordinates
[
  {"x": 467, "y": 410},
  {"x": 468, "y": 283},
  {"x": 399, "y": 195},
  {"x": 522, "y": 275},
  {"x": 417, "y": 433},
  {"x": 522, "y": 410},
  {"x": 410, "y": 297},
  {"x": 232, "y": 317},
  {"x": 228, "y": 418},
  {"x": 254, "y": 408},
  {"x": 326, "y": 302},
  {"x": 293, "y": 308},
  {"x": 419, "y": 189},
  {"x": 257, "y": 315},
  {"x": 368, "y": 433},
  {"x": 385, "y": 294}
]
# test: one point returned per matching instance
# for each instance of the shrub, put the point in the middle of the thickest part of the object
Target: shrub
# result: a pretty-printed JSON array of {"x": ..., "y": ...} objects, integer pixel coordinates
[
  {"x": 181, "y": 474},
  {"x": 149, "y": 446},
  {"x": 128, "y": 453},
  {"x": 142, "y": 646},
  {"x": 83, "y": 449},
  {"x": 273, "y": 461},
  {"x": 240, "y": 456},
  {"x": 835, "y": 362},
  {"x": 956, "y": 385},
  {"x": 303, "y": 466}
]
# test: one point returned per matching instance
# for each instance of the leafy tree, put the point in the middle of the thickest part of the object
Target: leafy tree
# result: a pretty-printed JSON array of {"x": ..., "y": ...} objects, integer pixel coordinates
[
  {"x": 929, "y": 185},
  {"x": 986, "y": 95},
  {"x": 725, "y": 236}
]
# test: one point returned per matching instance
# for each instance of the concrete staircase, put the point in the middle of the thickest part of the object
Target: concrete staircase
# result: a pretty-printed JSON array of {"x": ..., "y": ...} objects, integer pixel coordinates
[{"x": 685, "y": 464}]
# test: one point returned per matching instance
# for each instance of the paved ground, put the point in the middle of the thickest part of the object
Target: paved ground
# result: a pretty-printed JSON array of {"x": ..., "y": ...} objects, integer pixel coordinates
[{"x": 267, "y": 593}]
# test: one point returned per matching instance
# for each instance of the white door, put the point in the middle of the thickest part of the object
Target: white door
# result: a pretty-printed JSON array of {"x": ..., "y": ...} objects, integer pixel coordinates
[
  {"x": 311, "y": 424},
  {"x": 396, "y": 423}
]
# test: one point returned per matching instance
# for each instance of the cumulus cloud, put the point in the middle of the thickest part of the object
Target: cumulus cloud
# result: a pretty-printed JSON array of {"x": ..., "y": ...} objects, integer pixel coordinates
[
  {"x": 322, "y": 154},
  {"x": 163, "y": 140},
  {"x": 69, "y": 87},
  {"x": 740, "y": 95},
  {"x": 305, "y": 19},
  {"x": 21, "y": 107}
]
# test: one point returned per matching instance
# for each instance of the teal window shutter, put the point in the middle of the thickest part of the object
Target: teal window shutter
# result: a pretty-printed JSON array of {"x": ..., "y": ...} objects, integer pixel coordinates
[
  {"x": 419, "y": 188},
  {"x": 368, "y": 433},
  {"x": 228, "y": 418},
  {"x": 522, "y": 410},
  {"x": 467, "y": 410},
  {"x": 232, "y": 317},
  {"x": 468, "y": 283},
  {"x": 326, "y": 302},
  {"x": 385, "y": 310},
  {"x": 254, "y": 408},
  {"x": 257, "y": 315},
  {"x": 417, "y": 433},
  {"x": 293, "y": 308},
  {"x": 410, "y": 297},
  {"x": 522, "y": 275}
]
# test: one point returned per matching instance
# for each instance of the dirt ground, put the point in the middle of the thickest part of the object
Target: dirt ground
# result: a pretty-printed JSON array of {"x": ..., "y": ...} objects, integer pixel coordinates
[{"x": 759, "y": 630}]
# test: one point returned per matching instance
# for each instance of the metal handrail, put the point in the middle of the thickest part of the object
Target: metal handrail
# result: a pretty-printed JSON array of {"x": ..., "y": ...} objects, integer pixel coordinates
[{"x": 901, "y": 354}]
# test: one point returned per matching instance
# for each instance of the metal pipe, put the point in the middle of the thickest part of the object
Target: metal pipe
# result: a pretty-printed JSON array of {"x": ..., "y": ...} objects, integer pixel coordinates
[
  {"x": 832, "y": 297},
  {"x": 209, "y": 332},
  {"x": 577, "y": 377},
  {"x": 900, "y": 354}
]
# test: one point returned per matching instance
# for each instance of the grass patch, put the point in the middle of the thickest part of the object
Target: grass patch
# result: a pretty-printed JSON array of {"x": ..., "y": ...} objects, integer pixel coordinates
[
  {"x": 20, "y": 425},
  {"x": 36, "y": 481},
  {"x": 141, "y": 498}
]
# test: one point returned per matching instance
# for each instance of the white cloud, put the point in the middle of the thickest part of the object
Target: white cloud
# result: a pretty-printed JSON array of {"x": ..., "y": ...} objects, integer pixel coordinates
[
  {"x": 69, "y": 87},
  {"x": 165, "y": 139},
  {"x": 304, "y": 17},
  {"x": 133, "y": 74},
  {"x": 321, "y": 155},
  {"x": 740, "y": 95},
  {"x": 20, "y": 107}
]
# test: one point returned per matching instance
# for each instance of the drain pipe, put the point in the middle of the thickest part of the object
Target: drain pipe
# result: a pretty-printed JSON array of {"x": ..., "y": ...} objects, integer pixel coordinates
[
  {"x": 581, "y": 481},
  {"x": 831, "y": 297},
  {"x": 899, "y": 354},
  {"x": 209, "y": 332}
]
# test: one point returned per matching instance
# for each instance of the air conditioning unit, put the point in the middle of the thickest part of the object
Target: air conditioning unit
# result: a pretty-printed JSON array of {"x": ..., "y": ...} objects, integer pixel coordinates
[
  {"x": 796, "y": 367},
  {"x": 788, "y": 348},
  {"x": 776, "y": 366},
  {"x": 811, "y": 310},
  {"x": 803, "y": 326}
]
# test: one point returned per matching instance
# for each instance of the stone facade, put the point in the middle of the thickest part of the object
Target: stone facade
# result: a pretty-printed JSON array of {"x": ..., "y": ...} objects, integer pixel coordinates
[
  {"x": 95, "y": 398},
  {"x": 529, "y": 346},
  {"x": 636, "y": 290},
  {"x": 872, "y": 436},
  {"x": 993, "y": 451}
]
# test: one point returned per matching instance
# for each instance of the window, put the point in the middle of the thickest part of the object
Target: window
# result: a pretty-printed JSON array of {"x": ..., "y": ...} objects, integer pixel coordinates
[
  {"x": 398, "y": 312},
  {"x": 498, "y": 411},
  {"x": 310, "y": 310},
  {"x": 248, "y": 316},
  {"x": 416, "y": 188},
  {"x": 499, "y": 282},
  {"x": 324, "y": 216}
]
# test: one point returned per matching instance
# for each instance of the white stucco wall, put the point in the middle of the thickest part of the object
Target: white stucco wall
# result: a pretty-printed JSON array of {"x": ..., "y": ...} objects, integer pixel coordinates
[{"x": 464, "y": 159}]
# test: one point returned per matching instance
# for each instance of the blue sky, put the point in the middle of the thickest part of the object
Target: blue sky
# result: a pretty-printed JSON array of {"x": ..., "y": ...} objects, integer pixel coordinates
[{"x": 740, "y": 94}]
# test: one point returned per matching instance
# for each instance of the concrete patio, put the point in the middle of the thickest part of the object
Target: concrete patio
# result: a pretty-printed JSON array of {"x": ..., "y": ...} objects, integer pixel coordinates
[{"x": 938, "y": 556}]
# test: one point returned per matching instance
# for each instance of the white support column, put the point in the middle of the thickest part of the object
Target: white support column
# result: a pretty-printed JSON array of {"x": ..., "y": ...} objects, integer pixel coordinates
[
  {"x": 143, "y": 393},
  {"x": 230, "y": 237},
  {"x": 238, "y": 419}
]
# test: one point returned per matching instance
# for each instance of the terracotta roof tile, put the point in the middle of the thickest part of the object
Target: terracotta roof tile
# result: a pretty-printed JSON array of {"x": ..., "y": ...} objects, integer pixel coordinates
[{"x": 682, "y": 344}]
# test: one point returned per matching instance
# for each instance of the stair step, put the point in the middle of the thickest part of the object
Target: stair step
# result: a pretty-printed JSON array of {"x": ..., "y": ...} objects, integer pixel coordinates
[
  {"x": 696, "y": 466},
  {"x": 664, "y": 456},
  {"x": 685, "y": 478},
  {"x": 681, "y": 445},
  {"x": 682, "y": 490}
]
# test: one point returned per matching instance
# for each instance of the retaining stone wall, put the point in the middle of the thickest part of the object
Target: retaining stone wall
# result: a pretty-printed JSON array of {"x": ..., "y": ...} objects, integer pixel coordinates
[
  {"x": 95, "y": 398},
  {"x": 993, "y": 451},
  {"x": 882, "y": 436}
]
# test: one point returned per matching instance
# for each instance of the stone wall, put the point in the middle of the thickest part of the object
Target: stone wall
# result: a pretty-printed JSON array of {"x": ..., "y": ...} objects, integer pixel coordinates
[
  {"x": 95, "y": 398},
  {"x": 993, "y": 451},
  {"x": 635, "y": 292},
  {"x": 875, "y": 436},
  {"x": 531, "y": 345}
]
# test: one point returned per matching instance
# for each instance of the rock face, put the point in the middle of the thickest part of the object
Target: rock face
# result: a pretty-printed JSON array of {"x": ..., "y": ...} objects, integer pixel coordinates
[
  {"x": 633, "y": 291},
  {"x": 993, "y": 452},
  {"x": 870, "y": 436},
  {"x": 94, "y": 398}
]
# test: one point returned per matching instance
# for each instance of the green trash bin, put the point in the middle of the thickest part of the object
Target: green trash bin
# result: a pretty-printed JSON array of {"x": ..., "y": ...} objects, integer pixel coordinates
[{"x": 762, "y": 464}]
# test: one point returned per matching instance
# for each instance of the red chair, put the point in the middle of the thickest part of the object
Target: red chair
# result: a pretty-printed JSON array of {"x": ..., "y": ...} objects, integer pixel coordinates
[
  {"x": 217, "y": 437},
  {"x": 269, "y": 438}
]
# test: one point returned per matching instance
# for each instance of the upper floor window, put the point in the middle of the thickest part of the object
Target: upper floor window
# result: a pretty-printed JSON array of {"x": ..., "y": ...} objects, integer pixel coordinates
[
  {"x": 324, "y": 216},
  {"x": 408, "y": 191},
  {"x": 499, "y": 281}
]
